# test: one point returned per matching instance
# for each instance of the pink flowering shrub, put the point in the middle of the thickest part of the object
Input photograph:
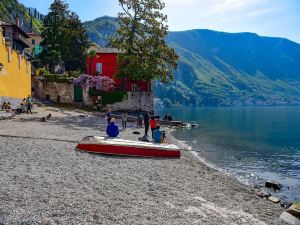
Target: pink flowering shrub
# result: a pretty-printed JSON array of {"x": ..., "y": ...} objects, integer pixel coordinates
[{"x": 99, "y": 83}]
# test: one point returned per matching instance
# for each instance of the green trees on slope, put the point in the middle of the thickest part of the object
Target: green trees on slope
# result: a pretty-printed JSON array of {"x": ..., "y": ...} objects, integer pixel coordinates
[
  {"x": 141, "y": 39},
  {"x": 65, "y": 39}
]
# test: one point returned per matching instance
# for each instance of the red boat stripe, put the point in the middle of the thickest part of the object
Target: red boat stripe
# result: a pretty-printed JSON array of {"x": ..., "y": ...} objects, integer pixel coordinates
[{"x": 130, "y": 151}]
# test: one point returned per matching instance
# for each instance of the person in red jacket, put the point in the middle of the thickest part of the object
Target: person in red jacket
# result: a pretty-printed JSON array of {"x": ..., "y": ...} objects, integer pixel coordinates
[{"x": 153, "y": 124}]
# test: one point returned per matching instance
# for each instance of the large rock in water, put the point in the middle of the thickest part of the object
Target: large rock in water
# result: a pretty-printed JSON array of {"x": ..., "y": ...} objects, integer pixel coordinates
[
  {"x": 285, "y": 216},
  {"x": 274, "y": 199},
  {"x": 295, "y": 209},
  {"x": 274, "y": 185}
]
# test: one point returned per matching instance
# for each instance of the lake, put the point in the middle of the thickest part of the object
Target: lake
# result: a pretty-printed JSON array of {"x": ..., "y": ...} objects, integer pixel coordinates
[{"x": 254, "y": 144}]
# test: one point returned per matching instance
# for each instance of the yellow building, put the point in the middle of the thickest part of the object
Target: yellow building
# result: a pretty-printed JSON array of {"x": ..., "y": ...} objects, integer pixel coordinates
[{"x": 15, "y": 70}]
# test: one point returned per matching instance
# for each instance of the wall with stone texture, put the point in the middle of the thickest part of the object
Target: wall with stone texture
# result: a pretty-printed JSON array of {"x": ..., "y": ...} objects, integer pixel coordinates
[
  {"x": 136, "y": 101},
  {"x": 53, "y": 89}
]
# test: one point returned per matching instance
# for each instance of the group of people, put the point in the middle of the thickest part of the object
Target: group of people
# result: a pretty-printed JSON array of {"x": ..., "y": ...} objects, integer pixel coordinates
[
  {"x": 25, "y": 106},
  {"x": 168, "y": 117},
  {"x": 157, "y": 135},
  {"x": 112, "y": 129},
  {"x": 6, "y": 106}
]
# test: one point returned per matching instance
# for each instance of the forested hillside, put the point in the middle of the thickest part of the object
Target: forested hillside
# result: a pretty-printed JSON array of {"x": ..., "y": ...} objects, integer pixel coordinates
[{"x": 9, "y": 9}]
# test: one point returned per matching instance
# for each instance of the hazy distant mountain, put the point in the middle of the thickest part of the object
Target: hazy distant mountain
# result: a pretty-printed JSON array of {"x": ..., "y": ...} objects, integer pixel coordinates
[{"x": 218, "y": 68}]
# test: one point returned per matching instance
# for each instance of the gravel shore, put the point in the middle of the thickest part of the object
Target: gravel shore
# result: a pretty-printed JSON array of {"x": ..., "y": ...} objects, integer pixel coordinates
[{"x": 45, "y": 181}]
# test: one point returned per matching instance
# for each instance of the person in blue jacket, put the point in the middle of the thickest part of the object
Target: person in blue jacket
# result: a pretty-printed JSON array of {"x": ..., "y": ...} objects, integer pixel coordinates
[
  {"x": 158, "y": 135},
  {"x": 112, "y": 130}
]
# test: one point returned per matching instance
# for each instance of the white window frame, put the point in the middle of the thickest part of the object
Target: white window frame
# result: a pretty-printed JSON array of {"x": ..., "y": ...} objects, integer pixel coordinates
[{"x": 99, "y": 68}]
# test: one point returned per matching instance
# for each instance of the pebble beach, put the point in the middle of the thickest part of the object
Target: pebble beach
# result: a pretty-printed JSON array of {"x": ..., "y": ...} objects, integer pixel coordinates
[{"x": 45, "y": 181}]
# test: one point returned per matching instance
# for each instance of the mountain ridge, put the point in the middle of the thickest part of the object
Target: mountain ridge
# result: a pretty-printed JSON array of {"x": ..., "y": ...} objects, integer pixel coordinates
[{"x": 221, "y": 69}]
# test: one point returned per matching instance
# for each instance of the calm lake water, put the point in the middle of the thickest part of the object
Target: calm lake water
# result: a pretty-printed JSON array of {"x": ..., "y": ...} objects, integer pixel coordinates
[{"x": 253, "y": 143}]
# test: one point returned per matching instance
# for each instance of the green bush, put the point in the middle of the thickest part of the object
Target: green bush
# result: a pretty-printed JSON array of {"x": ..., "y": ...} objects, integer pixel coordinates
[
  {"x": 109, "y": 97},
  {"x": 58, "y": 78},
  {"x": 76, "y": 73},
  {"x": 44, "y": 71}
]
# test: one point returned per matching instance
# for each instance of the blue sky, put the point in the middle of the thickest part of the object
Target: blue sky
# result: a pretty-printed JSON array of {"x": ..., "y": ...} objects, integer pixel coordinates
[{"x": 277, "y": 18}]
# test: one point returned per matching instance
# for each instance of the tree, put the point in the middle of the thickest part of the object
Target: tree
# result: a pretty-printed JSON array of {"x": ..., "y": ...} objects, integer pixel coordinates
[
  {"x": 141, "y": 41},
  {"x": 64, "y": 34},
  {"x": 91, "y": 55}
]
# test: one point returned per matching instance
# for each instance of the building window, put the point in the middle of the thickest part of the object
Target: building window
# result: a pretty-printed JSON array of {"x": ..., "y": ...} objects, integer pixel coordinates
[
  {"x": 33, "y": 41},
  {"x": 99, "y": 68}
]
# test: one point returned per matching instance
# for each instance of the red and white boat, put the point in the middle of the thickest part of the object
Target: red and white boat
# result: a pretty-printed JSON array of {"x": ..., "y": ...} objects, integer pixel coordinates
[{"x": 115, "y": 146}]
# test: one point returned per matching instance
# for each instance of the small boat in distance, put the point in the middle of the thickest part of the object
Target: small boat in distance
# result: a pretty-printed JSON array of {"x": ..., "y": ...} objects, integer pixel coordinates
[{"x": 116, "y": 146}]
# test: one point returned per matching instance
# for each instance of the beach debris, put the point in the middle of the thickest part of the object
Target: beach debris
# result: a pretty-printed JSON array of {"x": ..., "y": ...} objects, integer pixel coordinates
[
  {"x": 45, "y": 118},
  {"x": 144, "y": 138},
  {"x": 262, "y": 194},
  {"x": 274, "y": 185},
  {"x": 194, "y": 125},
  {"x": 83, "y": 116},
  {"x": 294, "y": 209},
  {"x": 47, "y": 222},
  {"x": 289, "y": 218},
  {"x": 136, "y": 132},
  {"x": 258, "y": 186},
  {"x": 274, "y": 199}
]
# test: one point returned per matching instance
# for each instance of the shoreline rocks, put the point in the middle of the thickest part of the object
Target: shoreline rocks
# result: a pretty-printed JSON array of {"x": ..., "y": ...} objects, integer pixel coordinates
[{"x": 273, "y": 185}]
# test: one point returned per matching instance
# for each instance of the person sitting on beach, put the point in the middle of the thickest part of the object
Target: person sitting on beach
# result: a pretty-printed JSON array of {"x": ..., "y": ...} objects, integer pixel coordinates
[
  {"x": 158, "y": 135},
  {"x": 4, "y": 105},
  {"x": 153, "y": 124},
  {"x": 112, "y": 130},
  {"x": 23, "y": 105},
  {"x": 9, "y": 108}
]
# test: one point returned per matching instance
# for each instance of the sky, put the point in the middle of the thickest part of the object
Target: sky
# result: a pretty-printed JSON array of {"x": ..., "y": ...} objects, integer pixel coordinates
[{"x": 275, "y": 18}]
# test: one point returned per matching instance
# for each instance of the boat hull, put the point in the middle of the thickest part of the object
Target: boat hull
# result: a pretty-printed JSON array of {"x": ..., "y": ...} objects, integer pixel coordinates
[{"x": 127, "y": 148}]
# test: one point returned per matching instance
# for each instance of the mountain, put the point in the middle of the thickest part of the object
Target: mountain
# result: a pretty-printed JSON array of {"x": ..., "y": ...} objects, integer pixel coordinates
[
  {"x": 223, "y": 69},
  {"x": 9, "y": 9},
  {"x": 237, "y": 69},
  {"x": 100, "y": 29}
]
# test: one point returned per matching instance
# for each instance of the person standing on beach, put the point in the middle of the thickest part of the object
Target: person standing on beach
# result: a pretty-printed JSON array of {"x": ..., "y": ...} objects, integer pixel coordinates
[
  {"x": 29, "y": 104},
  {"x": 146, "y": 122},
  {"x": 153, "y": 124},
  {"x": 124, "y": 121},
  {"x": 108, "y": 116}
]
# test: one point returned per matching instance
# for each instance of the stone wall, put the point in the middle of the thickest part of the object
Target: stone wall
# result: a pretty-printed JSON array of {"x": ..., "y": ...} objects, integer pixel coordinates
[
  {"x": 51, "y": 90},
  {"x": 136, "y": 101}
]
